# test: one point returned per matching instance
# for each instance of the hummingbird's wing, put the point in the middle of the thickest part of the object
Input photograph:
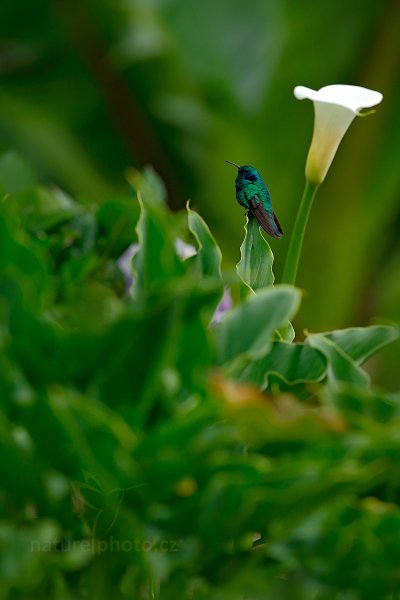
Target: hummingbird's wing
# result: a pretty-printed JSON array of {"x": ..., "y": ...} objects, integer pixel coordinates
[{"x": 268, "y": 222}]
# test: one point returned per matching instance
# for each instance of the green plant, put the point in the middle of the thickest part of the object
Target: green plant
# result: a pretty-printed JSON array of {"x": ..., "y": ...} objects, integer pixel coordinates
[{"x": 146, "y": 453}]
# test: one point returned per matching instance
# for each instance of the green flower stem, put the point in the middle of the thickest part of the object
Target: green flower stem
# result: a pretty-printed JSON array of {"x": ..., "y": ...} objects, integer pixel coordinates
[{"x": 296, "y": 241}]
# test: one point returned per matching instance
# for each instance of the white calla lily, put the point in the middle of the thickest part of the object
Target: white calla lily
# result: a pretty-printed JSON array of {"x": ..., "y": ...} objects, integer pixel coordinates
[{"x": 335, "y": 108}]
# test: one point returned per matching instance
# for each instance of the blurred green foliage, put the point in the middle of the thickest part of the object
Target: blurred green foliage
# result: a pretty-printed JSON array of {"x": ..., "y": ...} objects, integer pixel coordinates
[
  {"x": 145, "y": 453},
  {"x": 90, "y": 87}
]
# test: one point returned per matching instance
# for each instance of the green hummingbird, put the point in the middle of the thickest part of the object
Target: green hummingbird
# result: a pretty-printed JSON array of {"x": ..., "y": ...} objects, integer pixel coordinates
[{"x": 253, "y": 194}]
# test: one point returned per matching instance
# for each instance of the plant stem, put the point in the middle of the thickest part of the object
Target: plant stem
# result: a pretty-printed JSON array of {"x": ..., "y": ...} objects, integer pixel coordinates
[{"x": 296, "y": 241}]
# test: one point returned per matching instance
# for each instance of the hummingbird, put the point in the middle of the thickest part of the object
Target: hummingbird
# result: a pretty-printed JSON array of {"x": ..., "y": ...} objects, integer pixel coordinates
[{"x": 253, "y": 194}]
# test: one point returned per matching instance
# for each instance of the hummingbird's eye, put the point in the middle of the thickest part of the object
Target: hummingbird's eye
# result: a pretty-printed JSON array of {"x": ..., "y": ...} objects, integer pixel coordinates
[{"x": 250, "y": 177}]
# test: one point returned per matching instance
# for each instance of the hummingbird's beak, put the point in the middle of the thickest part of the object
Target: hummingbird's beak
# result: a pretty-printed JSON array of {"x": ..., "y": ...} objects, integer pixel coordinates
[{"x": 234, "y": 164}]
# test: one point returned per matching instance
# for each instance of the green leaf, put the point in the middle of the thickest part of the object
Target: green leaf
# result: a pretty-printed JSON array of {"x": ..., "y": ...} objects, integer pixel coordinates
[
  {"x": 156, "y": 262},
  {"x": 41, "y": 209},
  {"x": 150, "y": 186},
  {"x": 293, "y": 363},
  {"x": 75, "y": 271},
  {"x": 255, "y": 265},
  {"x": 133, "y": 368},
  {"x": 358, "y": 405},
  {"x": 287, "y": 333},
  {"x": 35, "y": 344},
  {"x": 20, "y": 264},
  {"x": 71, "y": 414},
  {"x": 362, "y": 342},
  {"x": 117, "y": 219},
  {"x": 341, "y": 368},
  {"x": 193, "y": 343},
  {"x": 245, "y": 333},
  {"x": 208, "y": 257}
]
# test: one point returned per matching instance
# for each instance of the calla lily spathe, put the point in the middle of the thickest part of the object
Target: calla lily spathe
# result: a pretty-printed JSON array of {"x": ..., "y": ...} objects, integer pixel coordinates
[{"x": 335, "y": 108}]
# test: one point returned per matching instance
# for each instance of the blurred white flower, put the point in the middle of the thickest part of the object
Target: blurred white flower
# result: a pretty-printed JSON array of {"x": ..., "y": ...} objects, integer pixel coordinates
[
  {"x": 225, "y": 304},
  {"x": 125, "y": 264},
  {"x": 183, "y": 249},
  {"x": 335, "y": 108}
]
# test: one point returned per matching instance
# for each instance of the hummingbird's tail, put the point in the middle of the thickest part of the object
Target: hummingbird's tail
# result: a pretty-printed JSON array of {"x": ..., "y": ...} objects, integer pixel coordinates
[
  {"x": 269, "y": 222},
  {"x": 277, "y": 227}
]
